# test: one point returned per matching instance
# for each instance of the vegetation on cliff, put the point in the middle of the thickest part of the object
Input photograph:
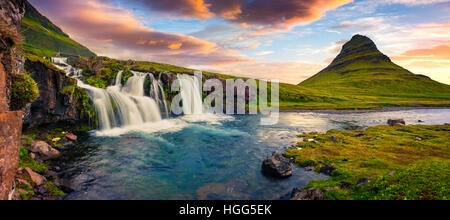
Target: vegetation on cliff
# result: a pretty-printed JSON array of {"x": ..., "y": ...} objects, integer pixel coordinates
[
  {"x": 410, "y": 162},
  {"x": 23, "y": 90}
]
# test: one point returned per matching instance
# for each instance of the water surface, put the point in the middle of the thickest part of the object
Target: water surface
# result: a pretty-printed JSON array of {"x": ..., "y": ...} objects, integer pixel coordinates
[{"x": 215, "y": 158}]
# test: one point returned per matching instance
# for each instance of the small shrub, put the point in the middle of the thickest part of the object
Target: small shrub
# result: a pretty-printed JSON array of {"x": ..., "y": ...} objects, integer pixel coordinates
[{"x": 23, "y": 90}]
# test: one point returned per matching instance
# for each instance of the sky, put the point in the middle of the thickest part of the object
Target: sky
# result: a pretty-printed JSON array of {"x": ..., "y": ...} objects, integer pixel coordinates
[{"x": 288, "y": 40}]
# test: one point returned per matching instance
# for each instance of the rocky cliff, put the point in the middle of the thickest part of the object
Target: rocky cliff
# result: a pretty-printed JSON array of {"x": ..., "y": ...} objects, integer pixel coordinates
[
  {"x": 60, "y": 102},
  {"x": 11, "y": 13}
]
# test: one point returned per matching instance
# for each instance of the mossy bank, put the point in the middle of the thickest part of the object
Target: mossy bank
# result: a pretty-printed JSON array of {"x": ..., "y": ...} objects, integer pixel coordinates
[{"x": 380, "y": 163}]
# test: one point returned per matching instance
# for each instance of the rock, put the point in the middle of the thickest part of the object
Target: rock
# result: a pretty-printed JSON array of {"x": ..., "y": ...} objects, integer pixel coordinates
[
  {"x": 24, "y": 182},
  {"x": 71, "y": 137},
  {"x": 364, "y": 181},
  {"x": 327, "y": 170},
  {"x": 277, "y": 166},
  {"x": 333, "y": 138},
  {"x": 311, "y": 194},
  {"x": 419, "y": 139},
  {"x": 36, "y": 178},
  {"x": 52, "y": 106},
  {"x": 309, "y": 169},
  {"x": 296, "y": 192},
  {"x": 44, "y": 150},
  {"x": 51, "y": 174},
  {"x": 392, "y": 173},
  {"x": 23, "y": 192},
  {"x": 346, "y": 185},
  {"x": 396, "y": 122},
  {"x": 301, "y": 140},
  {"x": 42, "y": 190},
  {"x": 33, "y": 156},
  {"x": 10, "y": 132},
  {"x": 69, "y": 144},
  {"x": 44, "y": 136}
]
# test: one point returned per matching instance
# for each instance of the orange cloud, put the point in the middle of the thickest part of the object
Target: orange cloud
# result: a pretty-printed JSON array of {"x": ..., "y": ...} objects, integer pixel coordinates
[
  {"x": 433, "y": 62},
  {"x": 271, "y": 14},
  {"x": 91, "y": 22}
]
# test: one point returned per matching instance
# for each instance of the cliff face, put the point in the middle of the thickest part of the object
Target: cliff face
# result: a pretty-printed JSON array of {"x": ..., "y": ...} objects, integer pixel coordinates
[
  {"x": 53, "y": 106},
  {"x": 11, "y": 13}
]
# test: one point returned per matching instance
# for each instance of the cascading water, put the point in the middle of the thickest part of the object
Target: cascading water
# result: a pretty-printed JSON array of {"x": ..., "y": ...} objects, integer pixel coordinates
[
  {"x": 117, "y": 105},
  {"x": 190, "y": 94},
  {"x": 120, "y": 106}
]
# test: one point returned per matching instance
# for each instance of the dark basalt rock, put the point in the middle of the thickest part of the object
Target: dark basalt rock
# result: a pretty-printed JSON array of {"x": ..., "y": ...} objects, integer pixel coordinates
[
  {"x": 364, "y": 181},
  {"x": 327, "y": 170},
  {"x": 52, "y": 107},
  {"x": 396, "y": 122},
  {"x": 310, "y": 194},
  {"x": 277, "y": 166}
]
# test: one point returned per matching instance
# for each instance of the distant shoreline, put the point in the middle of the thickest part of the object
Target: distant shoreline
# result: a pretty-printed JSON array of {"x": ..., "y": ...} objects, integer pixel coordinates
[{"x": 341, "y": 111}]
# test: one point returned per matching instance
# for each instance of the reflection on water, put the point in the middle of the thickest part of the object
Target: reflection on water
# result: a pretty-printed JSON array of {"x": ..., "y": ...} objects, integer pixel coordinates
[{"x": 218, "y": 158}]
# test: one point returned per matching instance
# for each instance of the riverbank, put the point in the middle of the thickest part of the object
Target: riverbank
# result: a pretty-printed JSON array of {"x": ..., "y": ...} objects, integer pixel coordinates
[
  {"x": 379, "y": 163},
  {"x": 37, "y": 177},
  {"x": 347, "y": 111}
]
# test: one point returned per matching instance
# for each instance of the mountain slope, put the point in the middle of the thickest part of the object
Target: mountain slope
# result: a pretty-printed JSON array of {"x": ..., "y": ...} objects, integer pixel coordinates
[
  {"x": 44, "y": 38},
  {"x": 361, "y": 66}
]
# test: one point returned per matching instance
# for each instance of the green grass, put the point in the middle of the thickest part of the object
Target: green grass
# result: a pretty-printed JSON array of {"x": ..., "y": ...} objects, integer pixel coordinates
[
  {"x": 43, "y": 38},
  {"x": 422, "y": 166}
]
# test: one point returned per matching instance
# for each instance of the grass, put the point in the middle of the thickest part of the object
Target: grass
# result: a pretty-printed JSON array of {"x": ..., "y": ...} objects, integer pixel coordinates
[
  {"x": 45, "y": 39},
  {"x": 422, "y": 165}
]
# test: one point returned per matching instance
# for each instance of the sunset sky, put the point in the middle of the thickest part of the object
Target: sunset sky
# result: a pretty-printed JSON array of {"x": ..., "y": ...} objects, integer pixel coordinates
[{"x": 289, "y": 40}]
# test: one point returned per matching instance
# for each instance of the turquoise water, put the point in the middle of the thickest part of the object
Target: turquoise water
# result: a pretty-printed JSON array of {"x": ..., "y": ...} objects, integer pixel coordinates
[{"x": 209, "y": 157}]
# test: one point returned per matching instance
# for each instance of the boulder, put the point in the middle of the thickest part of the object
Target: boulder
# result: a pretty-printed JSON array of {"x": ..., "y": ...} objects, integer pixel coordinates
[
  {"x": 346, "y": 185},
  {"x": 310, "y": 194},
  {"x": 36, "y": 178},
  {"x": 44, "y": 149},
  {"x": 71, "y": 137},
  {"x": 364, "y": 181},
  {"x": 277, "y": 166},
  {"x": 333, "y": 138},
  {"x": 392, "y": 173},
  {"x": 327, "y": 170},
  {"x": 396, "y": 122}
]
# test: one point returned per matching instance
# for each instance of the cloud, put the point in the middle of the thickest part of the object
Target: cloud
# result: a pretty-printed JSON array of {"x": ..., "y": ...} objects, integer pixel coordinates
[
  {"x": 434, "y": 61},
  {"x": 185, "y": 8},
  {"x": 113, "y": 31},
  {"x": 264, "y": 14}
]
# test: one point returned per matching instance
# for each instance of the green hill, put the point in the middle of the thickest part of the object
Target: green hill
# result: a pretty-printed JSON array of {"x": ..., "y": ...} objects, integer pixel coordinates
[
  {"x": 361, "y": 66},
  {"x": 43, "y": 38}
]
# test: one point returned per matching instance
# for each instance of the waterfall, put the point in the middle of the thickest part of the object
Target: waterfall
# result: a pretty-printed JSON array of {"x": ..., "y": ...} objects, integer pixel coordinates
[
  {"x": 157, "y": 93},
  {"x": 190, "y": 94},
  {"x": 117, "y": 105},
  {"x": 127, "y": 105}
]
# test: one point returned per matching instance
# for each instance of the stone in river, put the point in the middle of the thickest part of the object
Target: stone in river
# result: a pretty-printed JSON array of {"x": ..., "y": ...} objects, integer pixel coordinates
[
  {"x": 71, "y": 137},
  {"x": 396, "y": 122},
  {"x": 277, "y": 166}
]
